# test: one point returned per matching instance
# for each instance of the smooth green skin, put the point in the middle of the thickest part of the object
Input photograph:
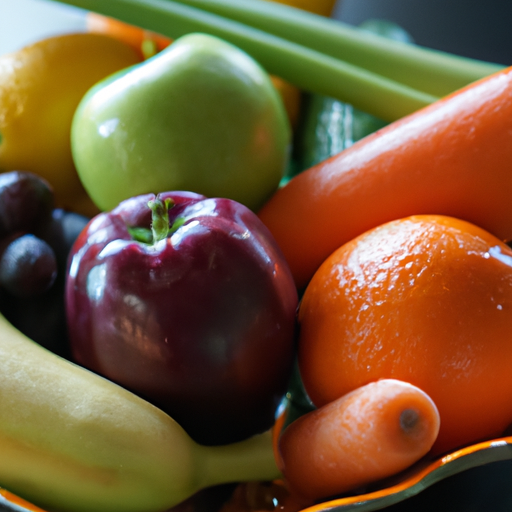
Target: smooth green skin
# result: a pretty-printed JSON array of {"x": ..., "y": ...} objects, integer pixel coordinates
[{"x": 200, "y": 116}]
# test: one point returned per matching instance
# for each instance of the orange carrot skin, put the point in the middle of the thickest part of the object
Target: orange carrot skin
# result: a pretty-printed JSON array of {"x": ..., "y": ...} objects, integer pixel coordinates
[
  {"x": 371, "y": 433},
  {"x": 453, "y": 157},
  {"x": 130, "y": 34}
]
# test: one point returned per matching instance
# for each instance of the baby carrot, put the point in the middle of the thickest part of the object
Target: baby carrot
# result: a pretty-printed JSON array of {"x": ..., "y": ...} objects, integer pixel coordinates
[
  {"x": 452, "y": 157},
  {"x": 371, "y": 433}
]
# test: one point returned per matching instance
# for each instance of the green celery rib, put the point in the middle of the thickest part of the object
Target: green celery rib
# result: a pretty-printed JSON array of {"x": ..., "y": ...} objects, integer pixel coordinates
[
  {"x": 308, "y": 69},
  {"x": 437, "y": 73}
]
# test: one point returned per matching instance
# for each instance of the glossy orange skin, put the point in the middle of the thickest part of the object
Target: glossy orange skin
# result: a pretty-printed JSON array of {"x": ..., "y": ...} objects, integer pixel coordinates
[
  {"x": 452, "y": 158},
  {"x": 426, "y": 300}
]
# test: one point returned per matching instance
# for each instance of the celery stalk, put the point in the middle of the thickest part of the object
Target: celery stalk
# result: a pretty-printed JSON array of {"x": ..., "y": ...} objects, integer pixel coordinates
[
  {"x": 308, "y": 69},
  {"x": 437, "y": 73}
]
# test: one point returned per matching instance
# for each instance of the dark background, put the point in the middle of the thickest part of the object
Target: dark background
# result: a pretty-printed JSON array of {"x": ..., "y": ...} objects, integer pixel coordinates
[{"x": 472, "y": 28}]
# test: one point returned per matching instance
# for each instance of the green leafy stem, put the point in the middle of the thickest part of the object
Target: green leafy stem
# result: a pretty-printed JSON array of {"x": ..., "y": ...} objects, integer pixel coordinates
[{"x": 388, "y": 79}]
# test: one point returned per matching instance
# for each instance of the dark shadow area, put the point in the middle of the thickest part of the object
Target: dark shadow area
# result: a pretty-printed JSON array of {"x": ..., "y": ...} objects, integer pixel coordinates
[{"x": 481, "y": 489}]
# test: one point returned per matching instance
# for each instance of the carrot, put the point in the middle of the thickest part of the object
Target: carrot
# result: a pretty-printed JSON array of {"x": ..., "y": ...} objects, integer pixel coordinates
[
  {"x": 144, "y": 41},
  {"x": 322, "y": 7},
  {"x": 369, "y": 434},
  {"x": 453, "y": 157}
]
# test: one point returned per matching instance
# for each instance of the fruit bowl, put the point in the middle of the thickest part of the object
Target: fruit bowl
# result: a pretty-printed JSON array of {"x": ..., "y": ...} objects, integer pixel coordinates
[
  {"x": 474, "y": 476},
  {"x": 477, "y": 476}
]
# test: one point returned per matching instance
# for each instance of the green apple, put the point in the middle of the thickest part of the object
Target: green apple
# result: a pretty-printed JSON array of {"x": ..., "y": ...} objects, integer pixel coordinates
[{"x": 201, "y": 116}]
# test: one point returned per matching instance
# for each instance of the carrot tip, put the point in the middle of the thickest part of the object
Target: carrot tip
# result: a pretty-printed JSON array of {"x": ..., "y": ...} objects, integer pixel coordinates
[{"x": 409, "y": 419}]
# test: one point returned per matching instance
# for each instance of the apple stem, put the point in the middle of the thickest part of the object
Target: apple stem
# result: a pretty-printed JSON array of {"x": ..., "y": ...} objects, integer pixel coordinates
[
  {"x": 160, "y": 228},
  {"x": 160, "y": 217}
]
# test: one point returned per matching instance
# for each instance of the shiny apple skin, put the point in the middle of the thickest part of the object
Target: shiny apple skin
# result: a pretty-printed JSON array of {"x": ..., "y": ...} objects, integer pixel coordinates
[{"x": 201, "y": 324}]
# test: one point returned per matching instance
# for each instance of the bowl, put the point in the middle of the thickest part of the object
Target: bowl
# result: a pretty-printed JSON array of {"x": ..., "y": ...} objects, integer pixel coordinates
[{"x": 475, "y": 477}]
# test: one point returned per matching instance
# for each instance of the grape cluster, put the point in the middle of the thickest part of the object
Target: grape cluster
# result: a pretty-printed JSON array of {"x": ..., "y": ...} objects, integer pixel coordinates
[{"x": 35, "y": 240}]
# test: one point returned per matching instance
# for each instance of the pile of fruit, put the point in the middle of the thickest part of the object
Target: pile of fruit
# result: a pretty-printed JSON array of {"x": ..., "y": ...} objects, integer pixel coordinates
[{"x": 207, "y": 277}]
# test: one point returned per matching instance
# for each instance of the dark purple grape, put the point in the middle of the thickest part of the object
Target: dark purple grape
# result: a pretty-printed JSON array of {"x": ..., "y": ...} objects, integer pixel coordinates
[
  {"x": 28, "y": 266},
  {"x": 26, "y": 200},
  {"x": 61, "y": 231}
]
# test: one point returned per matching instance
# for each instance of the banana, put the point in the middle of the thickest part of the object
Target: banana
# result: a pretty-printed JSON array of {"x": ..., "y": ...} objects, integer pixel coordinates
[{"x": 72, "y": 441}]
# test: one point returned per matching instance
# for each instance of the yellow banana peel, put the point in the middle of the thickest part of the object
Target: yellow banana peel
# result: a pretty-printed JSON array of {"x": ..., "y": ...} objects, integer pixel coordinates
[{"x": 73, "y": 441}]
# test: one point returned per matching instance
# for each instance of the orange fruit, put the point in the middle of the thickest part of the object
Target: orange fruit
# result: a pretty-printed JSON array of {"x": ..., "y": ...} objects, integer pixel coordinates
[
  {"x": 428, "y": 300},
  {"x": 41, "y": 86}
]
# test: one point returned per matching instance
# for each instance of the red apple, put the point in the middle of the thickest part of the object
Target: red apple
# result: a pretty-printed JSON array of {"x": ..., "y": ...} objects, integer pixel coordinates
[{"x": 200, "y": 322}]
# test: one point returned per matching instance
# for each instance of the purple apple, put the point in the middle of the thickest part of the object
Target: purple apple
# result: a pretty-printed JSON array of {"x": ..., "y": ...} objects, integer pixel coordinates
[{"x": 189, "y": 303}]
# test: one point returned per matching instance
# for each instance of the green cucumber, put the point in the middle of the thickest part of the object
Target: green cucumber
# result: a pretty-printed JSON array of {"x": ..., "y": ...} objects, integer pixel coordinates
[{"x": 328, "y": 126}]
